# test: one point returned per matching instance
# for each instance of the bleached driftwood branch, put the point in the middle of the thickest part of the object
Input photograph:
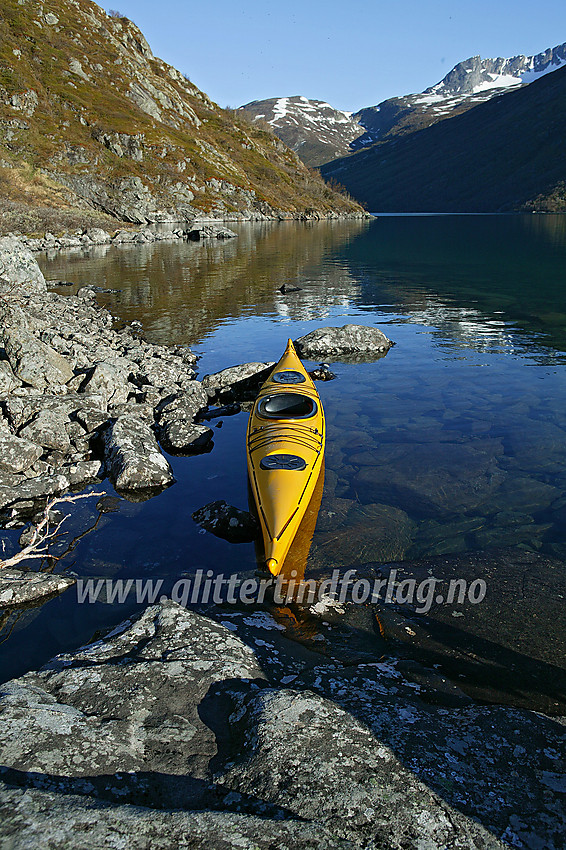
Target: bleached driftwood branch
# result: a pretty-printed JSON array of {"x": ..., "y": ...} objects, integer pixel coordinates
[{"x": 43, "y": 534}]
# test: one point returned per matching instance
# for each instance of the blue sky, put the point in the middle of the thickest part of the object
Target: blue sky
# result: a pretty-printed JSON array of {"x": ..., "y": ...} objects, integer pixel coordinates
[{"x": 351, "y": 53}]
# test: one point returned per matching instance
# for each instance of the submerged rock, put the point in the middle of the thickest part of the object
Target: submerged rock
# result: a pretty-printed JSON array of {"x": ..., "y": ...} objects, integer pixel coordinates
[
  {"x": 227, "y": 522},
  {"x": 351, "y": 340}
]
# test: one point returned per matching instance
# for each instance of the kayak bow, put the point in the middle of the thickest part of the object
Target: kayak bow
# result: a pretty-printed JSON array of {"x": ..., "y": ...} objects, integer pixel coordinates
[{"x": 285, "y": 445}]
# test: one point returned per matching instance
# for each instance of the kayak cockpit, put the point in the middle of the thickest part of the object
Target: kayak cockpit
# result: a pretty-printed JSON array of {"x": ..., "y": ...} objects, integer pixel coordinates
[{"x": 287, "y": 406}]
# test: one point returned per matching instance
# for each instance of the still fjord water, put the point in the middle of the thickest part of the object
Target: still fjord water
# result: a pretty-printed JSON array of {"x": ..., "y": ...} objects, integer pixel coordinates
[{"x": 453, "y": 442}]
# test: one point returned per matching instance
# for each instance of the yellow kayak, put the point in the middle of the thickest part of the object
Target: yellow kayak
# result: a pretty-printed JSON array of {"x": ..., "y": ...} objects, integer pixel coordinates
[{"x": 285, "y": 444}]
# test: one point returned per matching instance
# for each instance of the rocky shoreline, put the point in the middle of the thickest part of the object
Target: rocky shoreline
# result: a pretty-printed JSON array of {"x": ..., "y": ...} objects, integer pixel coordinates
[
  {"x": 179, "y": 729},
  {"x": 216, "y": 728}
]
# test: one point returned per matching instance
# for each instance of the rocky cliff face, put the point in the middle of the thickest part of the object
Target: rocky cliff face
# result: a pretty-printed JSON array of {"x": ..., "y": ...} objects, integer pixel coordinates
[
  {"x": 319, "y": 133},
  {"x": 89, "y": 117},
  {"x": 312, "y": 128}
]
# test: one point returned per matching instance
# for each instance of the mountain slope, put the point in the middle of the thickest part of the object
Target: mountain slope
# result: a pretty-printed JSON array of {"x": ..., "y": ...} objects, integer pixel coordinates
[
  {"x": 89, "y": 116},
  {"x": 312, "y": 128},
  {"x": 468, "y": 84},
  {"x": 505, "y": 154}
]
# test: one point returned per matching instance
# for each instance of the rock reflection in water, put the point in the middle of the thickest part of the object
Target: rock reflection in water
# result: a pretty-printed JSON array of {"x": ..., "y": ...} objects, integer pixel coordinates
[{"x": 181, "y": 291}]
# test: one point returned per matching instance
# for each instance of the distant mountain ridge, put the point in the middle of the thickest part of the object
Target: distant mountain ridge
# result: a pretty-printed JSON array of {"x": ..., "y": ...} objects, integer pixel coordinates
[
  {"x": 469, "y": 83},
  {"x": 503, "y": 155},
  {"x": 318, "y": 133},
  {"x": 312, "y": 128}
]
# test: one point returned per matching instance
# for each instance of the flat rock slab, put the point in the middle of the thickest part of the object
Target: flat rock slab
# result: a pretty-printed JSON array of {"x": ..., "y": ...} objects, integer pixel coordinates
[
  {"x": 128, "y": 705},
  {"x": 354, "y": 341},
  {"x": 173, "y": 722},
  {"x": 18, "y": 587},
  {"x": 510, "y": 646},
  {"x": 351, "y": 781},
  {"x": 133, "y": 459},
  {"x": 30, "y": 816}
]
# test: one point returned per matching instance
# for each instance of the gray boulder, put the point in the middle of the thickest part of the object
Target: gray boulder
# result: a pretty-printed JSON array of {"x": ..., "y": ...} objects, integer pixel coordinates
[
  {"x": 237, "y": 383},
  {"x": 47, "y": 429},
  {"x": 98, "y": 235},
  {"x": 350, "y": 340},
  {"x": 178, "y": 436},
  {"x": 8, "y": 380},
  {"x": 16, "y": 453},
  {"x": 133, "y": 459},
  {"x": 178, "y": 432},
  {"x": 33, "y": 361},
  {"x": 19, "y": 268},
  {"x": 109, "y": 380}
]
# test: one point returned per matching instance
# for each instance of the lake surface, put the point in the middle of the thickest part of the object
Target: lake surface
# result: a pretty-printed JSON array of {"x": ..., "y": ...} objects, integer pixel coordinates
[{"x": 454, "y": 442}]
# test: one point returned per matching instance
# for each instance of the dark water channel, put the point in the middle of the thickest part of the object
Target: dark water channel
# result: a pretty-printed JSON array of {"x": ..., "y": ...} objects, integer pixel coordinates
[{"x": 451, "y": 447}]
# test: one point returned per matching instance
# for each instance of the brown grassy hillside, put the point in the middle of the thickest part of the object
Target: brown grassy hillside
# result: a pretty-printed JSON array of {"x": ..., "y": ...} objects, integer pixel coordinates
[{"x": 89, "y": 117}]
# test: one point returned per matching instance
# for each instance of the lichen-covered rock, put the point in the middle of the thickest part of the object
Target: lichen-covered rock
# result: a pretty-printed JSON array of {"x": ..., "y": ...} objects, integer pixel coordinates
[
  {"x": 34, "y": 488},
  {"x": 66, "y": 820},
  {"x": 16, "y": 453},
  {"x": 110, "y": 380},
  {"x": 177, "y": 430},
  {"x": 18, "y": 266},
  {"x": 8, "y": 380},
  {"x": 237, "y": 383},
  {"x": 32, "y": 360},
  {"x": 19, "y": 588},
  {"x": 133, "y": 459},
  {"x": 349, "y": 340},
  {"x": 127, "y": 718},
  {"x": 349, "y": 779},
  {"x": 47, "y": 429},
  {"x": 227, "y": 522},
  {"x": 178, "y": 436}
]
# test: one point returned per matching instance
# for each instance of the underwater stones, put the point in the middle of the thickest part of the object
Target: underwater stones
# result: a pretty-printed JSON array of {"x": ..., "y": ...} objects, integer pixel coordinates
[
  {"x": 351, "y": 533},
  {"x": 432, "y": 480}
]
